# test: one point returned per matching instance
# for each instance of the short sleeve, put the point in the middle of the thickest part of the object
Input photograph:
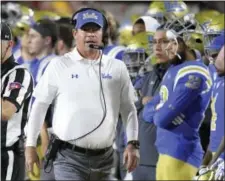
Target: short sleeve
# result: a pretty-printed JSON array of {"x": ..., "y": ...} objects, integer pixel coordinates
[{"x": 18, "y": 86}]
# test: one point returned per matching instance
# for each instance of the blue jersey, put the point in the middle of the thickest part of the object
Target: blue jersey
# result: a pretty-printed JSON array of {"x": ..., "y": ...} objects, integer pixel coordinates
[
  {"x": 36, "y": 66},
  {"x": 178, "y": 111},
  {"x": 114, "y": 51},
  {"x": 217, "y": 121},
  {"x": 27, "y": 64},
  {"x": 212, "y": 71}
]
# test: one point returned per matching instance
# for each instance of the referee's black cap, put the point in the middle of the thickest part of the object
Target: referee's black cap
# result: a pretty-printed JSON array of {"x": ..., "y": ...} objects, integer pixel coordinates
[{"x": 6, "y": 33}]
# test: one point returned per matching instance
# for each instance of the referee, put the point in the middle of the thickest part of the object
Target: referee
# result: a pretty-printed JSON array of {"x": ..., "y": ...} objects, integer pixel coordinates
[{"x": 16, "y": 90}]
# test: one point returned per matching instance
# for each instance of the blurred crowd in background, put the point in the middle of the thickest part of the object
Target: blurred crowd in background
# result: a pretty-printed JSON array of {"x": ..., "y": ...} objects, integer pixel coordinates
[
  {"x": 122, "y": 10},
  {"x": 121, "y": 15}
]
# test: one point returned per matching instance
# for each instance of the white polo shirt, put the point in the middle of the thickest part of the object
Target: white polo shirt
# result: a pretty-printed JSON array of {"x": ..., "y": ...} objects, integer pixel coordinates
[{"x": 74, "y": 85}]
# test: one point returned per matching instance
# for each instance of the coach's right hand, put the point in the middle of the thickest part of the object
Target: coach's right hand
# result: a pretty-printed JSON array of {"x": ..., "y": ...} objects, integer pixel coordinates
[{"x": 31, "y": 158}]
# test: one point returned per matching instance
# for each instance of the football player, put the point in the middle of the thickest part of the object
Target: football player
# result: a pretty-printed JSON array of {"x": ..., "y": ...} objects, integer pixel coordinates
[
  {"x": 216, "y": 146},
  {"x": 178, "y": 109}
]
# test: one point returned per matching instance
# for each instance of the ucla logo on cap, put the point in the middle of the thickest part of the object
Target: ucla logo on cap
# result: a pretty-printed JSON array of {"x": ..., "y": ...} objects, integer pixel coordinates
[
  {"x": 90, "y": 16},
  {"x": 174, "y": 5}
]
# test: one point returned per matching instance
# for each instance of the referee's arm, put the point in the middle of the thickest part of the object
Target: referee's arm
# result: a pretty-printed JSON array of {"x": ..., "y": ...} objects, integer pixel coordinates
[{"x": 17, "y": 87}]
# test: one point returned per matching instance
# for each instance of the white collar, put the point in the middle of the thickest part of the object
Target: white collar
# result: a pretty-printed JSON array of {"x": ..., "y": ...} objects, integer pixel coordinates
[{"x": 75, "y": 53}]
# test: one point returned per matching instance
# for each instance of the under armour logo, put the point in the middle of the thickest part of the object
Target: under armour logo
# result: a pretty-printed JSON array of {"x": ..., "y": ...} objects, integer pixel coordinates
[{"x": 74, "y": 76}]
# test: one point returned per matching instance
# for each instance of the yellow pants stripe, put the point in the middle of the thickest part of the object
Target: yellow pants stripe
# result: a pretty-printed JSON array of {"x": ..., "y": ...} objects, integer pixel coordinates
[{"x": 169, "y": 168}]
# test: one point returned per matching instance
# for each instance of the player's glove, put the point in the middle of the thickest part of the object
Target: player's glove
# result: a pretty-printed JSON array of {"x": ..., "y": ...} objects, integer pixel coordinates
[
  {"x": 216, "y": 164},
  {"x": 202, "y": 170},
  {"x": 219, "y": 175},
  {"x": 203, "y": 173}
]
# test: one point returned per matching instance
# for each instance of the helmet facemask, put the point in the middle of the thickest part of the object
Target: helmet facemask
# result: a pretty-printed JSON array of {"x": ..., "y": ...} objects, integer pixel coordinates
[{"x": 134, "y": 60}]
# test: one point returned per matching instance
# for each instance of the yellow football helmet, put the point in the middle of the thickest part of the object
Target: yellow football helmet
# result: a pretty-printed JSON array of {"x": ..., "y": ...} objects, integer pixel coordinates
[
  {"x": 125, "y": 34},
  {"x": 195, "y": 41},
  {"x": 188, "y": 29},
  {"x": 194, "y": 38},
  {"x": 213, "y": 29},
  {"x": 25, "y": 21},
  {"x": 216, "y": 24},
  {"x": 141, "y": 40},
  {"x": 17, "y": 16},
  {"x": 62, "y": 8},
  {"x": 38, "y": 15},
  {"x": 164, "y": 10},
  {"x": 157, "y": 10},
  {"x": 206, "y": 16}
]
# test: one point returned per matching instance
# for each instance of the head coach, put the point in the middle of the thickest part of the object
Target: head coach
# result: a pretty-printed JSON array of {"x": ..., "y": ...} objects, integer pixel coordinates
[{"x": 89, "y": 91}]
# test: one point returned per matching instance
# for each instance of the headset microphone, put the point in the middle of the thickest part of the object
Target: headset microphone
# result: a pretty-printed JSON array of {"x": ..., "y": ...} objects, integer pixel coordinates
[{"x": 98, "y": 47}]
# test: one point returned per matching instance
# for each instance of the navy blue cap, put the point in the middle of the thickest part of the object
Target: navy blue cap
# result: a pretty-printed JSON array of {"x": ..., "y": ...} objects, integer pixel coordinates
[{"x": 89, "y": 16}]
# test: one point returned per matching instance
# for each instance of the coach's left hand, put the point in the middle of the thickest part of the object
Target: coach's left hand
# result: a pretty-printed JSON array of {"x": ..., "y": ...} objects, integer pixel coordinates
[{"x": 131, "y": 157}]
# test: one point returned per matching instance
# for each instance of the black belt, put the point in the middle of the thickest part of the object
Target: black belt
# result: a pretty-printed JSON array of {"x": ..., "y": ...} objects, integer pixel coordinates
[{"x": 91, "y": 152}]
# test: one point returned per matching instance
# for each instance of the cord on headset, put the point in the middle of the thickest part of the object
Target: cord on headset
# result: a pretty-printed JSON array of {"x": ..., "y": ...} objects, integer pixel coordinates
[{"x": 104, "y": 102}]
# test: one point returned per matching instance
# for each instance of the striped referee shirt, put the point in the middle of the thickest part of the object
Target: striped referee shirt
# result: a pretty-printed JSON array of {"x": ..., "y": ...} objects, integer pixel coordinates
[{"x": 17, "y": 87}]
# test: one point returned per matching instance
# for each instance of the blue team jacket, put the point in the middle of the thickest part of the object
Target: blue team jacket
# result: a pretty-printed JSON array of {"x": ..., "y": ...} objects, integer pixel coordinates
[
  {"x": 178, "y": 111},
  {"x": 217, "y": 108}
]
